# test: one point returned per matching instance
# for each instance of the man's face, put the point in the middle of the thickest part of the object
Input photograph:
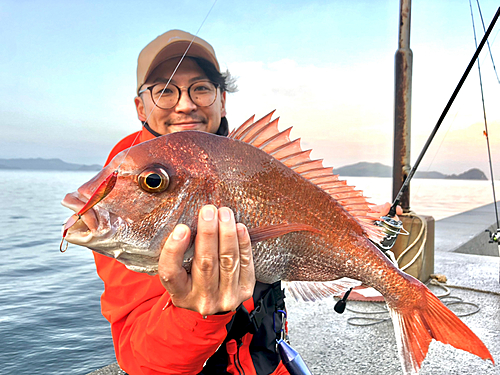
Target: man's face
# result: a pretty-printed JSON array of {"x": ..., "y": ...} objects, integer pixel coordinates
[{"x": 185, "y": 115}]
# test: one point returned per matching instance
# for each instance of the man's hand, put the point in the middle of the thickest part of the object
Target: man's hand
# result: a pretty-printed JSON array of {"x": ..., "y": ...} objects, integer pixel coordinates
[
  {"x": 382, "y": 210},
  {"x": 222, "y": 273}
]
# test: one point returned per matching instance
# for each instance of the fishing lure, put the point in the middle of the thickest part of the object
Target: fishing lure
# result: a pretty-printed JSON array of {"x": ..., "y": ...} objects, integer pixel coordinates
[{"x": 99, "y": 194}]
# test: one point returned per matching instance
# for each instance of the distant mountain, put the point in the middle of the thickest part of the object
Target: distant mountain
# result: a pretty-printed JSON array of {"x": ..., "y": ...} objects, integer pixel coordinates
[
  {"x": 471, "y": 174},
  {"x": 362, "y": 169},
  {"x": 46, "y": 165},
  {"x": 6, "y": 167},
  {"x": 365, "y": 169}
]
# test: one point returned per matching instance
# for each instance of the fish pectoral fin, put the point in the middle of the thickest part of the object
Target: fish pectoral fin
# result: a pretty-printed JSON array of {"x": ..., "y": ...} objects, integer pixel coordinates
[
  {"x": 272, "y": 231},
  {"x": 310, "y": 291}
]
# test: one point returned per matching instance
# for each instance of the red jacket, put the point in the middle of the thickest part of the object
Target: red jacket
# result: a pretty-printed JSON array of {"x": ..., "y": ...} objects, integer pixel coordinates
[{"x": 152, "y": 336}]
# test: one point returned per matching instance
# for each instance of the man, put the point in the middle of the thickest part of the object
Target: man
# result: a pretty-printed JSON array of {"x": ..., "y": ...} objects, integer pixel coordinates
[{"x": 204, "y": 322}]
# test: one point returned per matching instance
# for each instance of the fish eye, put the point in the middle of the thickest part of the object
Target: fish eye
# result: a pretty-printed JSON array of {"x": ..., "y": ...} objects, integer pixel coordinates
[{"x": 154, "y": 180}]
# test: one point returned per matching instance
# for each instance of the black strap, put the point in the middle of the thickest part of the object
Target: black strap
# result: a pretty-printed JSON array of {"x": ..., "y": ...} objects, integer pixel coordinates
[
  {"x": 262, "y": 322},
  {"x": 148, "y": 128},
  {"x": 223, "y": 127},
  {"x": 271, "y": 300},
  {"x": 270, "y": 303}
]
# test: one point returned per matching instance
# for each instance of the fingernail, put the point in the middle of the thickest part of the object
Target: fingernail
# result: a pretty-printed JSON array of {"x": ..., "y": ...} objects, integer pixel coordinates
[
  {"x": 224, "y": 214},
  {"x": 179, "y": 232},
  {"x": 208, "y": 213},
  {"x": 241, "y": 229}
]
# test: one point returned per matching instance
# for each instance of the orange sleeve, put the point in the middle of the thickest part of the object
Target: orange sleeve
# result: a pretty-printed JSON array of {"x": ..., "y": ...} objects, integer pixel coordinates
[
  {"x": 125, "y": 143},
  {"x": 150, "y": 335}
]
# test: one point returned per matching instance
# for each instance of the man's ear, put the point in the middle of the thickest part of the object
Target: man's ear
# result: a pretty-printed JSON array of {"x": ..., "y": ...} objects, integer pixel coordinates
[
  {"x": 223, "y": 107},
  {"x": 139, "y": 106}
]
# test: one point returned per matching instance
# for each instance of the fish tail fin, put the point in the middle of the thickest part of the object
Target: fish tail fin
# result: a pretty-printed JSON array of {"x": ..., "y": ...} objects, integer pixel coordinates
[{"x": 416, "y": 326}]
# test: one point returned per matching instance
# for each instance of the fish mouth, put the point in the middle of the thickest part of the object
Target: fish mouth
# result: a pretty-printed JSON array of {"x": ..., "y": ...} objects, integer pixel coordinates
[
  {"x": 79, "y": 230},
  {"x": 94, "y": 228}
]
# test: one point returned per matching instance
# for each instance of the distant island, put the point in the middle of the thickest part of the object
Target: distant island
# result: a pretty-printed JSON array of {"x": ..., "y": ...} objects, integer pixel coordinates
[
  {"x": 365, "y": 169},
  {"x": 362, "y": 169},
  {"x": 40, "y": 164}
]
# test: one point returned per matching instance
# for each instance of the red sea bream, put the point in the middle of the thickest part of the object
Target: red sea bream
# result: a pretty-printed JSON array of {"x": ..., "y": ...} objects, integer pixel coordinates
[{"x": 307, "y": 226}]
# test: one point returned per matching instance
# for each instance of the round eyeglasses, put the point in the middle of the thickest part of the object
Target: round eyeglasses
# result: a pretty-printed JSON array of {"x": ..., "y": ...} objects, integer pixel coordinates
[{"x": 201, "y": 93}]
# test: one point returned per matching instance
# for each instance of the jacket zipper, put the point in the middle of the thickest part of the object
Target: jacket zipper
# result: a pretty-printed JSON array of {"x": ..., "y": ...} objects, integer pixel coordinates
[{"x": 237, "y": 361}]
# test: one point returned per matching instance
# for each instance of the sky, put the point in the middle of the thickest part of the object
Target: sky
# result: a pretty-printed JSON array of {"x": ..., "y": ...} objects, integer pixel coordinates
[{"x": 67, "y": 74}]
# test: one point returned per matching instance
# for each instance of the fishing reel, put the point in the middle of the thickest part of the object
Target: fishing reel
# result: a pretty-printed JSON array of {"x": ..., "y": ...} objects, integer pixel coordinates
[
  {"x": 391, "y": 228},
  {"x": 494, "y": 237}
]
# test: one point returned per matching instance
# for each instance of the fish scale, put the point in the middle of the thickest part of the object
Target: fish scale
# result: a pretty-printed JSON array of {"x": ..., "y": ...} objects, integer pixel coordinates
[
  {"x": 307, "y": 227},
  {"x": 265, "y": 201}
]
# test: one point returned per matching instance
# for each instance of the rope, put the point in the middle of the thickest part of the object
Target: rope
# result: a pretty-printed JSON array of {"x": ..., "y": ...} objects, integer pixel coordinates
[
  {"x": 365, "y": 318},
  {"x": 422, "y": 235},
  {"x": 435, "y": 282},
  {"x": 447, "y": 299},
  {"x": 363, "y": 321},
  {"x": 420, "y": 238}
]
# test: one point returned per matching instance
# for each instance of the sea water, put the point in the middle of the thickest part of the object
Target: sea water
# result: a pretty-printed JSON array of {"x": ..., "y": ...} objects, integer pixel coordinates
[
  {"x": 50, "y": 320},
  {"x": 439, "y": 198}
]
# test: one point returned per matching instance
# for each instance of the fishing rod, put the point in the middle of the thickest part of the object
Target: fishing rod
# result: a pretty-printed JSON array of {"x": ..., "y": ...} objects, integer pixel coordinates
[
  {"x": 494, "y": 237},
  {"x": 392, "y": 227},
  {"x": 388, "y": 220},
  {"x": 484, "y": 110}
]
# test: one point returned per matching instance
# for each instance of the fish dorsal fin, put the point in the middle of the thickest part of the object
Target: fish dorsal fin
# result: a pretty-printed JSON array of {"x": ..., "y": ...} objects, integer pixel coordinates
[
  {"x": 249, "y": 127},
  {"x": 264, "y": 134}
]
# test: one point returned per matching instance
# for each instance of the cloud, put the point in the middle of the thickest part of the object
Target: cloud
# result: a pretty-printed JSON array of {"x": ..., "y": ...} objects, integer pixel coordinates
[{"x": 341, "y": 108}]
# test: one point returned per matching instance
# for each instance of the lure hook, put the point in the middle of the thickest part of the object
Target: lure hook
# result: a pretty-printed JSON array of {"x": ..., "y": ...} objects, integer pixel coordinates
[{"x": 61, "y": 246}]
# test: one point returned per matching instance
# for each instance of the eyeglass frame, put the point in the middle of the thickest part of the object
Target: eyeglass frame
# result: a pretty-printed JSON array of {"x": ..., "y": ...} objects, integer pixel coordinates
[{"x": 179, "y": 90}]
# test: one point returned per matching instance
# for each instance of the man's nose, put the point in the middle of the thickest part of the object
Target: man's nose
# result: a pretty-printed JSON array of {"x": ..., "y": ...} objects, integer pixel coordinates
[{"x": 185, "y": 104}]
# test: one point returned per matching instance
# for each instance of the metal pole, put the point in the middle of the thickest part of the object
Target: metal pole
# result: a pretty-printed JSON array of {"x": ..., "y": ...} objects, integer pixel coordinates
[
  {"x": 402, "y": 106},
  {"x": 404, "y": 187}
]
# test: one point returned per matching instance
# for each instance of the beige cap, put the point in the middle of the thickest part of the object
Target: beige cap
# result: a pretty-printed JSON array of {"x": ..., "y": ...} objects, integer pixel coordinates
[{"x": 173, "y": 43}]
